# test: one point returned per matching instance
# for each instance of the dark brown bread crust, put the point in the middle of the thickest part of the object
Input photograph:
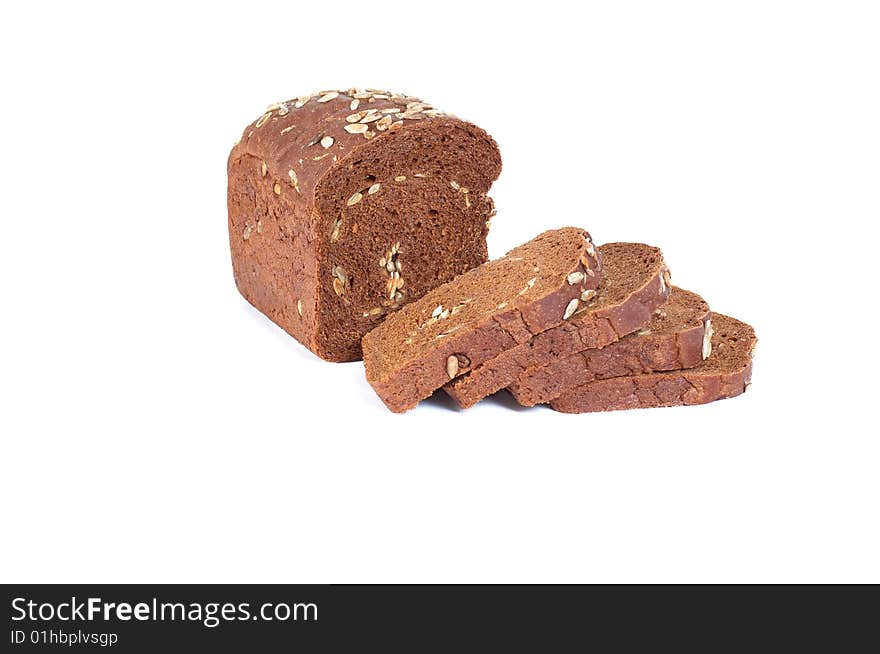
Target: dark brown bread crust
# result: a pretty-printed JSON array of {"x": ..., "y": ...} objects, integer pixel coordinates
[
  {"x": 344, "y": 206},
  {"x": 491, "y": 308},
  {"x": 671, "y": 341},
  {"x": 635, "y": 282},
  {"x": 725, "y": 373}
]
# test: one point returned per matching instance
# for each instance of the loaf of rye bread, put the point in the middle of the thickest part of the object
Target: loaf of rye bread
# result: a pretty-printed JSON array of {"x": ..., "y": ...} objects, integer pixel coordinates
[
  {"x": 485, "y": 311},
  {"x": 346, "y": 205},
  {"x": 678, "y": 336},
  {"x": 635, "y": 281},
  {"x": 725, "y": 373}
]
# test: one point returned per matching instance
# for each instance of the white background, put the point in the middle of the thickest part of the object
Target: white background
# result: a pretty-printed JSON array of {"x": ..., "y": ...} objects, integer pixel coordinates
[{"x": 156, "y": 428}]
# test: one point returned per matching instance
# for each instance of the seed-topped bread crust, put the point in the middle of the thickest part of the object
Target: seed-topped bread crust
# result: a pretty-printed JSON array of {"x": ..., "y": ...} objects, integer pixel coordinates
[
  {"x": 673, "y": 339},
  {"x": 726, "y": 372},
  {"x": 463, "y": 323},
  {"x": 635, "y": 281},
  {"x": 346, "y": 205}
]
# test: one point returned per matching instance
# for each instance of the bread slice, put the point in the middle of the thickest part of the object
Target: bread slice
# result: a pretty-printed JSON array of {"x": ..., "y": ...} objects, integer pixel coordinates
[
  {"x": 635, "y": 281},
  {"x": 481, "y": 313},
  {"x": 345, "y": 205},
  {"x": 725, "y": 373},
  {"x": 677, "y": 337}
]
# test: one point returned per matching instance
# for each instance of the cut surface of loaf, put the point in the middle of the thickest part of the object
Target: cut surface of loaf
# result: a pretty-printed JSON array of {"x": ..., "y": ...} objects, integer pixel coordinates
[
  {"x": 346, "y": 205},
  {"x": 676, "y": 337},
  {"x": 725, "y": 373},
  {"x": 486, "y": 310},
  {"x": 635, "y": 281}
]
